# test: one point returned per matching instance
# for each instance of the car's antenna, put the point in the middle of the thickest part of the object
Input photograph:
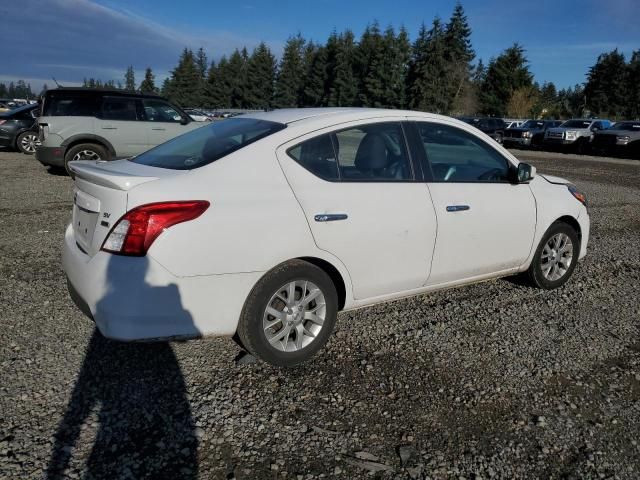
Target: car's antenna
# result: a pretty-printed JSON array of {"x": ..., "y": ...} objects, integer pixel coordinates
[{"x": 56, "y": 82}]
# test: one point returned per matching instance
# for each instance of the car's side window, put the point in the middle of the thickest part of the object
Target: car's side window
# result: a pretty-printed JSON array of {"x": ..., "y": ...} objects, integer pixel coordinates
[
  {"x": 119, "y": 108},
  {"x": 317, "y": 156},
  {"x": 458, "y": 156},
  {"x": 159, "y": 111},
  {"x": 374, "y": 152}
]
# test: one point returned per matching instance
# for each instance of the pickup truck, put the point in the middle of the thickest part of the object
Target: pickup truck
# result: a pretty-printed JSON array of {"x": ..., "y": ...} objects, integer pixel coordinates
[
  {"x": 529, "y": 134},
  {"x": 575, "y": 134}
]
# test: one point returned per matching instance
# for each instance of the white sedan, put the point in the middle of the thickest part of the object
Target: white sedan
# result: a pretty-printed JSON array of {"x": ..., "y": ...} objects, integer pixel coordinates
[{"x": 264, "y": 226}]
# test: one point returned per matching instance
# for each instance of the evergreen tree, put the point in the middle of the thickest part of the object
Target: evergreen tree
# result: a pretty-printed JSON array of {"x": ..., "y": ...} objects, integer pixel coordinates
[
  {"x": 344, "y": 88},
  {"x": 261, "y": 71},
  {"x": 458, "y": 55},
  {"x": 369, "y": 59},
  {"x": 201, "y": 60},
  {"x": 4, "y": 92},
  {"x": 45, "y": 87},
  {"x": 428, "y": 87},
  {"x": 633, "y": 86},
  {"x": 315, "y": 60},
  {"x": 185, "y": 86},
  {"x": 290, "y": 78},
  {"x": 605, "y": 89},
  {"x": 148, "y": 84},
  {"x": 219, "y": 84},
  {"x": 505, "y": 74},
  {"x": 130, "y": 79},
  {"x": 236, "y": 72}
]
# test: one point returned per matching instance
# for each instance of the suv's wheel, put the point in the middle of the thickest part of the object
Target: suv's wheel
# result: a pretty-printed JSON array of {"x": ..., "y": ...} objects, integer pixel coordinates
[
  {"x": 556, "y": 257},
  {"x": 582, "y": 146},
  {"x": 27, "y": 142},
  {"x": 289, "y": 315},
  {"x": 85, "y": 151}
]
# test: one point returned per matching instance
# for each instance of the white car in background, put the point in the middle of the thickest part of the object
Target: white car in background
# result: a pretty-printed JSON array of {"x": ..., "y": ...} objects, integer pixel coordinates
[
  {"x": 197, "y": 115},
  {"x": 263, "y": 227}
]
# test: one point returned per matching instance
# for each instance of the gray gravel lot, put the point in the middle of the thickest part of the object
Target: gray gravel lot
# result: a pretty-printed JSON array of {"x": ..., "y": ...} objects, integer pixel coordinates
[{"x": 496, "y": 380}]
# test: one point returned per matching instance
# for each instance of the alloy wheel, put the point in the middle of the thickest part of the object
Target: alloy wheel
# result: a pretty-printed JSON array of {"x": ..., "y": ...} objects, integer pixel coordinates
[
  {"x": 294, "y": 316},
  {"x": 86, "y": 155},
  {"x": 556, "y": 257},
  {"x": 28, "y": 143}
]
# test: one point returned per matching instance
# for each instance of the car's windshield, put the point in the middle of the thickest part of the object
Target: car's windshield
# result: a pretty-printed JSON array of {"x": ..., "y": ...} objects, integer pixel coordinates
[
  {"x": 207, "y": 144},
  {"x": 631, "y": 126},
  {"x": 532, "y": 124},
  {"x": 576, "y": 124}
]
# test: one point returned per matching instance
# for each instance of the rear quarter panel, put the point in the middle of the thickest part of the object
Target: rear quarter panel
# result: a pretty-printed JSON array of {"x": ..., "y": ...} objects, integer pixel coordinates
[{"x": 253, "y": 224}]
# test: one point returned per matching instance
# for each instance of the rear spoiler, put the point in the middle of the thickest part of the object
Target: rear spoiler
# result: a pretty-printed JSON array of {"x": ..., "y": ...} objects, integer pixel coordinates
[{"x": 92, "y": 171}]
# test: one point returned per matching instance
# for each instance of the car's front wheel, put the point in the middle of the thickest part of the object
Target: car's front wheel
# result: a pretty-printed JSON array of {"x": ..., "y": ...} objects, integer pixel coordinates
[
  {"x": 556, "y": 257},
  {"x": 289, "y": 315}
]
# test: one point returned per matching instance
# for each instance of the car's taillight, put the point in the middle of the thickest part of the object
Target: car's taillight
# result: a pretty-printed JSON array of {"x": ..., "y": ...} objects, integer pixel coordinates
[{"x": 134, "y": 233}]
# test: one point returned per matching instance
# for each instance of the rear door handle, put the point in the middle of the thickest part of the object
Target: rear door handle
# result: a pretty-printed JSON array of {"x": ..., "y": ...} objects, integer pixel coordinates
[
  {"x": 109, "y": 127},
  {"x": 457, "y": 208},
  {"x": 330, "y": 217},
  {"x": 158, "y": 128}
]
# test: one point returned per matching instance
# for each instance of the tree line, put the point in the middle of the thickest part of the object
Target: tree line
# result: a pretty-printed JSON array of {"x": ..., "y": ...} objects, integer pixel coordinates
[{"x": 437, "y": 72}]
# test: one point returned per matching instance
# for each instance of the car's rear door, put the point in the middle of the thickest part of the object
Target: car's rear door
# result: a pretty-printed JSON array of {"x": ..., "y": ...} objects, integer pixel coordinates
[
  {"x": 485, "y": 223},
  {"x": 119, "y": 123},
  {"x": 365, "y": 203}
]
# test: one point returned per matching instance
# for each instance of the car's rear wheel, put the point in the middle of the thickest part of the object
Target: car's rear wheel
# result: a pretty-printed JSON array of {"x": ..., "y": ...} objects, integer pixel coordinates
[
  {"x": 555, "y": 258},
  {"x": 84, "y": 151},
  {"x": 27, "y": 142},
  {"x": 289, "y": 315}
]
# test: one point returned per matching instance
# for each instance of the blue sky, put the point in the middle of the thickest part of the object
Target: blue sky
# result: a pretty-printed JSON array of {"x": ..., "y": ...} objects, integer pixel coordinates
[{"x": 73, "y": 39}]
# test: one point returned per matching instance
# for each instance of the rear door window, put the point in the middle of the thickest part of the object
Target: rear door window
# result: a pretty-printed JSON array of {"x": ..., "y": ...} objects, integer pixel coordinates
[
  {"x": 317, "y": 155},
  {"x": 119, "y": 108}
]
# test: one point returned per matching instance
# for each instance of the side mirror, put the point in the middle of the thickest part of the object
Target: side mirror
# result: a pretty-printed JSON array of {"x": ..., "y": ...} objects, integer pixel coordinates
[{"x": 525, "y": 172}]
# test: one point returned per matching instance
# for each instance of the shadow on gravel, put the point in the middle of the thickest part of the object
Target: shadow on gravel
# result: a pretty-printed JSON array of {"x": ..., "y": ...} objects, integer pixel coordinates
[{"x": 134, "y": 394}]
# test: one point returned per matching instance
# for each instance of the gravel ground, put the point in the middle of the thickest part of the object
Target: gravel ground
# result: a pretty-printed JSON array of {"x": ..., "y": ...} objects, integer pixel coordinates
[{"x": 495, "y": 380}]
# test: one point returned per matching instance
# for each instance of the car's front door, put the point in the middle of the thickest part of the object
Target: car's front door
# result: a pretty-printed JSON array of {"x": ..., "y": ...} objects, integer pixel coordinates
[
  {"x": 486, "y": 224},
  {"x": 163, "y": 121},
  {"x": 119, "y": 123},
  {"x": 364, "y": 205}
]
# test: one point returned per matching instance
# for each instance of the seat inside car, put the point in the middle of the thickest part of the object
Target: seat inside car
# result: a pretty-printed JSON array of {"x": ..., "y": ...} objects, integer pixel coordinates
[{"x": 374, "y": 160}]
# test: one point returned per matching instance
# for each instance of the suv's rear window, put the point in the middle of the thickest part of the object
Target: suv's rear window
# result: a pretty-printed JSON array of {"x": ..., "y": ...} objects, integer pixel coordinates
[
  {"x": 70, "y": 104},
  {"x": 207, "y": 144}
]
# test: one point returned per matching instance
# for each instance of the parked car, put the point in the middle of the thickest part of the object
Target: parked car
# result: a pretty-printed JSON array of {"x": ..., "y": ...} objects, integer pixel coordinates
[
  {"x": 264, "y": 226},
  {"x": 18, "y": 129},
  {"x": 575, "y": 134},
  {"x": 530, "y": 134},
  {"x": 513, "y": 123},
  {"x": 494, "y": 127},
  {"x": 104, "y": 124},
  {"x": 623, "y": 139},
  {"x": 197, "y": 115},
  {"x": 4, "y": 108}
]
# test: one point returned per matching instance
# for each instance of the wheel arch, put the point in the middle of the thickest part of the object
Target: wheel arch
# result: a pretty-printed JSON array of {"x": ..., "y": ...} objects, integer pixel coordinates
[
  {"x": 334, "y": 275},
  {"x": 572, "y": 222},
  {"x": 88, "y": 138}
]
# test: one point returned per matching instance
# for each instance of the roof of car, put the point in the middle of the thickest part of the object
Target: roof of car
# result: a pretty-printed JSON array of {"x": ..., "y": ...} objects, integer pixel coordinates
[{"x": 110, "y": 91}]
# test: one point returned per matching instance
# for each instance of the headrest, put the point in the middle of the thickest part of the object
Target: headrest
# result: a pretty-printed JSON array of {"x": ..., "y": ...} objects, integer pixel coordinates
[{"x": 372, "y": 153}]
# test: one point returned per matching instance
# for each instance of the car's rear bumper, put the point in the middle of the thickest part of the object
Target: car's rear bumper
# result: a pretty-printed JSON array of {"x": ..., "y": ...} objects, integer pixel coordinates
[
  {"x": 51, "y": 156},
  {"x": 136, "y": 298}
]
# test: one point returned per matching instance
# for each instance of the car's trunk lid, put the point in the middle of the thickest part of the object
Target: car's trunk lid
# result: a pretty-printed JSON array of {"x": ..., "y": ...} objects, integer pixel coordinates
[{"x": 100, "y": 197}]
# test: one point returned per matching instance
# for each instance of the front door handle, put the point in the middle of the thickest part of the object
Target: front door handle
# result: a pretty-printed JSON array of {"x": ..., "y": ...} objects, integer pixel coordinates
[
  {"x": 109, "y": 127},
  {"x": 330, "y": 217},
  {"x": 457, "y": 208},
  {"x": 160, "y": 129}
]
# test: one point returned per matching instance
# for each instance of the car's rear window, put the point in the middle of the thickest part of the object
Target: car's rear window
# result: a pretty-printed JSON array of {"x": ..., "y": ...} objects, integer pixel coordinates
[
  {"x": 70, "y": 104},
  {"x": 207, "y": 144}
]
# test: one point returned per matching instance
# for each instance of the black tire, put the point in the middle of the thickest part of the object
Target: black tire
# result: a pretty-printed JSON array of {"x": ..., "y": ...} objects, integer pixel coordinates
[
  {"x": 251, "y": 332},
  {"x": 535, "y": 273},
  {"x": 98, "y": 153},
  {"x": 25, "y": 136},
  {"x": 582, "y": 146}
]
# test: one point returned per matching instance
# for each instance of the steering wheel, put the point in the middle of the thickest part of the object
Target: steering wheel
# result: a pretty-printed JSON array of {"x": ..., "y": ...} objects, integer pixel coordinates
[{"x": 450, "y": 172}]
